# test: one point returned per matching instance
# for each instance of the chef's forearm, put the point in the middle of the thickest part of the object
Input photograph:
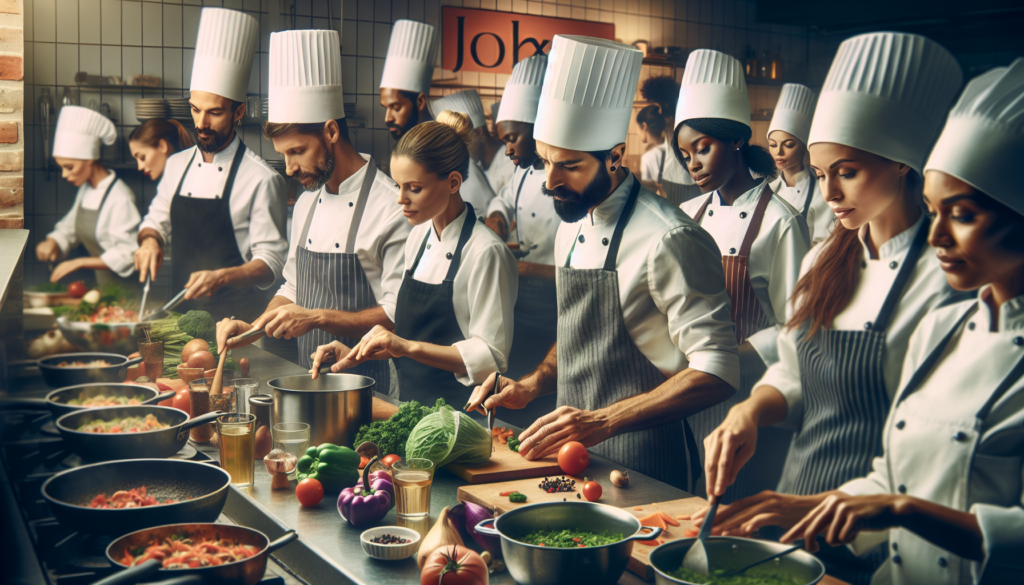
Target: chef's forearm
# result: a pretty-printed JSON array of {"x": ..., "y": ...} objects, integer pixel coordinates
[
  {"x": 92, "y": 263},
  {"x": 534, "y": 270},
  {"x": 767, "y": 405},
  {"x": 253, "y": 273},
  {"x": 442, "y": 357},
  {"x": 544, "y": 379},
  {"x": 682, "y": 395},
  {"x": 354, "y": 325},
  {"x": 953, "y": 530},
  {"x": 150, "y": 233}
]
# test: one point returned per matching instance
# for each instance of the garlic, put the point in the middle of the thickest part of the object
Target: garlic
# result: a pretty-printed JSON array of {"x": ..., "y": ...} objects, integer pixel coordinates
[
  {"x": 442, "y": 534},
  {"x": 620, "y": 478}
]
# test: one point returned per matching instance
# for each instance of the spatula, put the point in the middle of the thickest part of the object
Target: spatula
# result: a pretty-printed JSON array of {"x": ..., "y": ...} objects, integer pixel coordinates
[{"x": 696, "y": 558}]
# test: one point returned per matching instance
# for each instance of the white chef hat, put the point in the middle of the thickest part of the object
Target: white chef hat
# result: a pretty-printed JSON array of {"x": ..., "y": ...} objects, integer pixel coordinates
[
  {"x": 886, "y": 93},
  {"x": 412, "y": 51},
  {"x": 225, "y": 49},
  {"x": 80, "y": 132},
  {"x": 522, "y": 92},
  {"x": 713, "y": 86},
  {"x": 983, "y": 141},
  {"x": 467, "y": 102},
  {"x": 587, "y": 97},
  {"x": 305, "y": 77},
  {"x": 794, "y": 111}
]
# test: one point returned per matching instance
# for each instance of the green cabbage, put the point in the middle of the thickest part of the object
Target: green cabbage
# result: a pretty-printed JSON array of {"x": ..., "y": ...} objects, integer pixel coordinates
[{"x": 448, "y": 436}]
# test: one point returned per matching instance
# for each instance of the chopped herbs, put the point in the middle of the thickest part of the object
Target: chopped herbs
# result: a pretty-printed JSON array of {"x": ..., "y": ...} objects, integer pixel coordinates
[
  {"x": 517, "y": 498},
  {"x": 755, "y": 576},
  {"x": 570, "y": 538}
]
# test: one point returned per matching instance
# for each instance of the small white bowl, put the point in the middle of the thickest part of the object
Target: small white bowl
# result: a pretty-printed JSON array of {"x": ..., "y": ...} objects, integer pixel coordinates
[{"x": 390, "y": 552}]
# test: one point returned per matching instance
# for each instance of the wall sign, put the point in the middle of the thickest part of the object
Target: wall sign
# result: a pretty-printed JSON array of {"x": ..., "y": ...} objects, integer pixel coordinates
[{"x": 493, "y": 42}]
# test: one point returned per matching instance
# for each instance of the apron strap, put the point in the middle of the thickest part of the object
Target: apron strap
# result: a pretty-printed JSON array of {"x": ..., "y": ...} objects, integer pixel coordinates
[
  {"x": 110, "y": 187},
  {"x": 755, "y": 222},
  {"x": 237, "y": 162},
  {"x": 181, "y": 181},
  {"x": 364, "y": 194},
  {"x": 703, "y": 208},
  {"x": 810, "y": 192},
  {"x": 467, "y": 230},
  {"x": 620, "y": 226},
  {"x": 306, "y": 224},
  {"x": 926, "y": 366},
  {"x": 906, "y": 270},
  {"x": 515, "y": 210}
]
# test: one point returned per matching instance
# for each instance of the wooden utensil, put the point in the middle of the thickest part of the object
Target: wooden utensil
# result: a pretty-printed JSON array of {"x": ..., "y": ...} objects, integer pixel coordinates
[{"x": 218, "y": 378}]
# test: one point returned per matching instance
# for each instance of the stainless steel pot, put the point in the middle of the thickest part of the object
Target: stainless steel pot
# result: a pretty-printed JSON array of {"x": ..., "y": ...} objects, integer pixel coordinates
[
  {"x": 334, "y": 405},
  {"x": 729, "y": 552},
  {"x": 537, "y": 565}
]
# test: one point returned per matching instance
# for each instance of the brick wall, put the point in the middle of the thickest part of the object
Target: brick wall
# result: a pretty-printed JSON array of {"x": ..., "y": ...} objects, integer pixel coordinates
[{"x": 12, "y": 108}]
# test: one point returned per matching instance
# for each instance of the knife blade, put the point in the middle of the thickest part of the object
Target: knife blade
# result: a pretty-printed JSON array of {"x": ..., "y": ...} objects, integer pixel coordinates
[{"x": 490, "y": 412}]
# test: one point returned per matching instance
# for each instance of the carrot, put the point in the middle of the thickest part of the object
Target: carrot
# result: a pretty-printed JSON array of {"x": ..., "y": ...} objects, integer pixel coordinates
[
  {"x": 503, "y": 439},
  {"x": 668, "y": 519},
  {"x": 638, "y": 509},
  {"x": 654, "y": 520},
  {"x": 683, "y": 517}
]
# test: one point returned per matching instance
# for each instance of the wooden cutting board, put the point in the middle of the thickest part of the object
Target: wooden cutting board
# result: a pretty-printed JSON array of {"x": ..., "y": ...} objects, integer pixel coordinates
[{"x": 505, "y": 465}]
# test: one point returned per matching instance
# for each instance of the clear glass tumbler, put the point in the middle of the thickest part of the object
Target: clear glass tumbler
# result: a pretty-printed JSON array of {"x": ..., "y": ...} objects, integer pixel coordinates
[
  {"x": 413, "y": 478},
  {"x": 237, "y": 443},
  {"x": 244, "y": 388},
  {"x": 292, "y": 438}
]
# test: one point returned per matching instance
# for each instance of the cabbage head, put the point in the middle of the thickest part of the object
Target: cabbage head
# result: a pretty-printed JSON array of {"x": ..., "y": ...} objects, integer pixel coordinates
[{"x": 449, "y": 436}]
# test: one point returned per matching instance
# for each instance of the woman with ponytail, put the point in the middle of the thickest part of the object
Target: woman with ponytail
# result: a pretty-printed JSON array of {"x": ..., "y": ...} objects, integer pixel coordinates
[
  {"x": 156, "y": 140},
  {"x": 453, "y": 320},
  {"x": 762, "y": 239}
]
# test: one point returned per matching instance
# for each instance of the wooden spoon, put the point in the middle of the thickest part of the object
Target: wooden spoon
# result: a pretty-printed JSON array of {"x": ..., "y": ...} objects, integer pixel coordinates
[{"x": 218, "y": 379}]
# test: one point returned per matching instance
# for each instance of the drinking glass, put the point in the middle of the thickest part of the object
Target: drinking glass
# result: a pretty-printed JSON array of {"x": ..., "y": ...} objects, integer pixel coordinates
[
  {"x": 292, "y": 438},
  {"x": 237, "y": 443},
  {"x": 199, "y": 403},
  {"x": 244, "y": 388},
  {"x": 413, "y": 478},
  {"x": 225, "y": 401},
  {"x": 152, "y": 353}
]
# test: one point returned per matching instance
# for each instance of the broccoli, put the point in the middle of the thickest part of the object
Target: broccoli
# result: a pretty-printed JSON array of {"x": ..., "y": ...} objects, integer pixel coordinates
[
  {"x": 199, "y": 324},
  {"x": 517, "y": 498},
  {"x": 390, "y": 435}
]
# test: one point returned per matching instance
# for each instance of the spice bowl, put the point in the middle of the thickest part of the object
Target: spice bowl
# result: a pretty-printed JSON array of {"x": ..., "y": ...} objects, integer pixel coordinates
[{"x": 390, "y": 552}]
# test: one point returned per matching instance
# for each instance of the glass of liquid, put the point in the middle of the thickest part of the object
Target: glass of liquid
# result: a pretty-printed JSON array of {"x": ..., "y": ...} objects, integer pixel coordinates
[
  {"x": 152, "y": 353},
  {"x": 237, "y": 444},
  {"x": 244, "y": 388},
  {"x": 292, "y": 438},
  {"x": 413, "y": 478}
]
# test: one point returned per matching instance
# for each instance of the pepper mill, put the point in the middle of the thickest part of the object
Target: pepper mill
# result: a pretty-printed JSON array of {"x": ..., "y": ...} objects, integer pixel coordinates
[{"x": 260, "y": 406}]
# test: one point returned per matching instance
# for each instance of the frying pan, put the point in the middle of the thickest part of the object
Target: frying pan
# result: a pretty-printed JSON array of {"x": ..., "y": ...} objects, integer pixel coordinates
[
  {"x": 57, "y": 377},
  {"x": 246, "y": 571},
  {"x": 156, "y": 444},
  {"x": 56, "y": 401},
  {"x": 201, "y": 490}
]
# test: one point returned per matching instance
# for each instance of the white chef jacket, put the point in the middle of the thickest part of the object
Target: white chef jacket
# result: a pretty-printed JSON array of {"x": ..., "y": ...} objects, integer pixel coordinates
[
  {"x": 476, "y": 190},
  {"x": 672, "y": 170},
  {"x": 117, "y": 226},
  {"x": 820, "y": 217},
  {"x": 926, "y": 456},
  {"x": 258, "y": 205},
  {"x": 500, "y": 171},
  {"x": 774, "y": 261},
  {"x": 484, "y": 291},
  {"x": 651, "y": 163},
  {"x": 538, "y": 222},
  {"x": 380, "y": 239},
  {"x": 926, "y": 290},
  {"x": 671, "y": 286}
]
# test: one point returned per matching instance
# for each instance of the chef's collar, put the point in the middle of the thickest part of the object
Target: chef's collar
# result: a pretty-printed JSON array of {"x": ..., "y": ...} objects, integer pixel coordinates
[
  {"x": 747, "y": 197},
  {"x": 607, "y": 212},
  {"x": 102, "y": 185},
  {"x": 452, "y": 231},
  {"x": 896, "y": 246},
  {"x": 352, "y": 184},
  {"x": 225, "y": 155},
  {"x": 1011, "y": 312},
  {"x": 801, "y": 176}
]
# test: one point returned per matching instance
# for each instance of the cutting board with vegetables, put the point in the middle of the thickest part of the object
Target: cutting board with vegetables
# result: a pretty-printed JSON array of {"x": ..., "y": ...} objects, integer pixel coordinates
[{"x": 505, "y": 465}]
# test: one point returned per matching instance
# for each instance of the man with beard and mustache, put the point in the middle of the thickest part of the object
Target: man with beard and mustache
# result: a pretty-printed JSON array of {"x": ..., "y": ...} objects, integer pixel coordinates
[
  {"x": 224, "y": 205},
  {"x": 346, "y": 259},
  {"x": 644, "y": 334},
  {"x": 405, "y": 82}
]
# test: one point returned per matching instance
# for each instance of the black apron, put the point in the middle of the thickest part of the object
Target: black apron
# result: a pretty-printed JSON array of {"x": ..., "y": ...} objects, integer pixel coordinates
[
  {"x": 86, "y": 221},
  {"x": 425, "y": 312}
]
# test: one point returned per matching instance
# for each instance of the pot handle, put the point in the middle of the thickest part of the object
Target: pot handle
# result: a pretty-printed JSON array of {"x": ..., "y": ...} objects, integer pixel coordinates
[
  {"x": 160, "y": 397},
  {"x": 655, "y": 532},
  {"x": 181, "y": 580},
  {"x": 132, "y": 362},
  {"x": 286, "y": 538},
  {"x": 195, "y": 422},
  {"x": 133, "y": 574},
  {"x": 486, "y": 526}
]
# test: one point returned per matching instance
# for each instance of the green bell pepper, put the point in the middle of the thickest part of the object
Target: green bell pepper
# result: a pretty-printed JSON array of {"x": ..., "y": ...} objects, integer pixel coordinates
[{"x": 334, "y": 467}]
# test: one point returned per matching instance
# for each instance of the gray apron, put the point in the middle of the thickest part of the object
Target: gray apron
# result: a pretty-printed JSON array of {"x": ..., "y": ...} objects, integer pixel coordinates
[
  {"x": 86, "y": 221},
  {"x": 337, "y": 281},
  {"x": 599, "y": 365}
]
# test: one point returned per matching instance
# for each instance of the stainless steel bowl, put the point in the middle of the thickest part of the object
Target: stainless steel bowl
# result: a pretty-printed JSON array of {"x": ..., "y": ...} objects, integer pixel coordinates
[
  {"x": 334, "y": 405},
  {"x": 537, "y": 565},
  {"x": 729, "y": 552},
  {"x": 103, "y": 337}
]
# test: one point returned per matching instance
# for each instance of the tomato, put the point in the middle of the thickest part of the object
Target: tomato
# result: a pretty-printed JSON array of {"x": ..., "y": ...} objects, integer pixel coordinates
[
  {"x": 592, "y": 491},
  {"x": 573, "y": 458},
  {"x": 389, "y": 460},
  {"x": 77, "y": 289},
  {"x": 453, "y": 565},
  {"x": 182, "y": 401},
  {"x": 309, "y": 492}
]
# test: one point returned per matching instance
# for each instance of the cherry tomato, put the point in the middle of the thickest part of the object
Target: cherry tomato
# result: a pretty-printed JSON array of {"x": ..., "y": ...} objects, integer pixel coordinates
[
  {"x": 77, "y": 289},
  {"x": 390, "y": 460},
  {"x": 309, "y": 492},
  {"x": 573, "y": 458},
  {"x": 592, "y": 491}
]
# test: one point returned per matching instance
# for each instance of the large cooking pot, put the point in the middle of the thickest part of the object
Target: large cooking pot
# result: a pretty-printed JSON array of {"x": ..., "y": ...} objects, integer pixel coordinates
[
  {"x": 334, "y": 405},
  {"x": 730, "y": 553},
  {"x": 537, "y": 565}
]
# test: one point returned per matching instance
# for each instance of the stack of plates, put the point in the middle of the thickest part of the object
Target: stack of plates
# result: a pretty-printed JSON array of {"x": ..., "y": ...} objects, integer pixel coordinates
[
  {"x": 179, "y": 108},
  {"x": 149, "y": 108}
]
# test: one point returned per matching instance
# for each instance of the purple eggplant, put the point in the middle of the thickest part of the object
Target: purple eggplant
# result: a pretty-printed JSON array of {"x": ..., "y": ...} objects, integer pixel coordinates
[{"x": 366, "y": 507}]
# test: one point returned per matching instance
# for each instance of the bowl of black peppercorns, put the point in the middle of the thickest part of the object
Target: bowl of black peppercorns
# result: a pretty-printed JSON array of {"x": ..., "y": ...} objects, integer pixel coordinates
[{"x": 390, "y": 543}]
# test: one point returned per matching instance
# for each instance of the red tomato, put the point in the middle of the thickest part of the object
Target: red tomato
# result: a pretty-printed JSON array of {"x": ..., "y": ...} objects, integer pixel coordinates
[
  {"x": 77, "y": 289},
  {"x": 389, "y": 460},
  {"x": 453, "y": 565},
  {"x": 573, "y": 458},
  {"x": 309, "y": 492},
  {"x": 592, "y": 491},
  {"x": 182, "y": 401}
]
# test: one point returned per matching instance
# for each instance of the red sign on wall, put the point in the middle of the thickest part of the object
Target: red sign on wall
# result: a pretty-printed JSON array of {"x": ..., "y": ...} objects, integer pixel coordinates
[{"x": 489, "y": 41}]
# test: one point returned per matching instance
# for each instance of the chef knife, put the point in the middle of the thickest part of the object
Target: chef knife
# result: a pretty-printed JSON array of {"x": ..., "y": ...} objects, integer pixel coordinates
[
  {"x": 145, "y": 293},
  {"x": 490, "y": 412}
]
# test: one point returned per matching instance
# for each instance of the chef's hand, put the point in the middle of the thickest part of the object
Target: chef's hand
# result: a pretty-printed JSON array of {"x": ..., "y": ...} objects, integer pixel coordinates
[
  {"x": 148, "y": 258},
  {"x": 548, "y": 433},
  {"x": 378, "y": 344},
  {"x": 841, "y": 517},
  {"x": 497, "y": 223},
  {"x": 511, "y": 394},
  {"x": 204, "y": 283},
  {"x": 768, "y": 508},
  {"x": 334, "y": 351},
  {"x": 728, "y": 448},
  {"x": 229, "y": 328},
  {"x": 48, "y": 251},
  {"x": 288, "y": 321},
  {"x": 65, "y": 268}
]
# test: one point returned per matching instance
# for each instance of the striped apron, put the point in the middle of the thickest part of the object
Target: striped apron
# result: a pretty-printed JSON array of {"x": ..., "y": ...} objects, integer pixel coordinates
[
  {"x": 599, "y": 364},
  {"x": 748, "y": 317},
  {"x": 85, "y": 230},
  {"x": 337, "y": 281}
]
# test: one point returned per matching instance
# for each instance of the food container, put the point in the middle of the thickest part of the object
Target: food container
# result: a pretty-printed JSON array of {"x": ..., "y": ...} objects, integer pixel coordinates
[
  {"x": 105, "y": 337},
  {"x": 334, "y": 405},
  {"x": 728, "y": 552},
  {"x": 537, "y": 565},
  {"x": 390, "y": 552}
]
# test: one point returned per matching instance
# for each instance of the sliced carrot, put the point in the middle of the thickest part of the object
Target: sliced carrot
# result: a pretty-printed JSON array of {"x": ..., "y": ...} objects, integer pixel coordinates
[
  {"x": 654, "y": 520},
  {"x": 668, "y": 519},
  {"x": 638, "y": 509},
  {"x": 685, "y": 517},
  {"x": 690, "y": 533},
  {"x": 503, "y": 439}
]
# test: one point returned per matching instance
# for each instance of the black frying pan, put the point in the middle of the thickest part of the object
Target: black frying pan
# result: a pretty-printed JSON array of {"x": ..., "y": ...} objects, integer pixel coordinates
[
  {"x": 156, "y": 444},
  {"x": 58, "y": 377},
  {"x": 201, "y": 490},
  {"x": 57, "y": 400}
]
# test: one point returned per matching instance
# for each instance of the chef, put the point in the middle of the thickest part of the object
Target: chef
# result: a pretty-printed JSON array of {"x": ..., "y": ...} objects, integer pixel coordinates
[
  {"x": 405, "y": 82},
  {"x": 947, "y": 493},
  {"x": 103, "y": 217},
  {"x": 525, "y": 217},
  {"x": 346, "y": 258},
  {"x": 644, "y": 335},
  {"x": 787, "y": 142},
  {"x": 761, "y": 237},
  {"x": 498, "y": 167},
  {"x": 651, "y": 125},
  {"x": 673, "y": 180},
  {"x": 221, "y": 205},
  {"x": 477, "y": 189}
]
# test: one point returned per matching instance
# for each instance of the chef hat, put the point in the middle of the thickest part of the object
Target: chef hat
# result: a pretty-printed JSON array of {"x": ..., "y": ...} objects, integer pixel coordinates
[
  {"x": 587, "y": 97},
  {"x": 412, "y": 51},
  {"x": 522, "y": 92},
  {"x": 467, "y": 102},
  {"x": 983, "y": 141},
  {"x": 80, "y": 132},
  {"x": 305, "y": 77},
  {"x": 793, "y": 112},
  {"x": 886, "y": 93},
  {"x": 225, "y": 48},
  {"x": 713, "y": 86}
]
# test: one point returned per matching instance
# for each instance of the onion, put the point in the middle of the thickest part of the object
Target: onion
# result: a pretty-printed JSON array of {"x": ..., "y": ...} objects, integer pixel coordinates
[
  {"x": 457, "y": 516},
  {"x": 475, "y": 514}
]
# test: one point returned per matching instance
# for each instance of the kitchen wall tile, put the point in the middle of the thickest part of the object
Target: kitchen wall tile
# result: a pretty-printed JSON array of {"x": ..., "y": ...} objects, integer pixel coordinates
[
  {"x": 89, "y": 21},
  {"x": 399, "y": 9},
  {"x": 67, "y": 21},
  {"x": 172, "y": 68},
  {"x": 382, "y": 12},
  {"x": 89, "y": 59},
  {"x": 317, "y": 23},
  {"x": 110, "y": 21},
  {"x": 172, "y": 18},
  {"x": 381, "y": 36},
  {"x": 190, "y": 25},
  {"x": 348, "y": 75},
  {"x": 67, "y": 63},
  {"x": 128, "y": 110},
  {"x": 364, "y": 74},
  {"x": 44, "y": 20},
  {"x": 27, "y": 22},
  {"x": 364, "y": 46},
  {"x": 368, "y": 109},
  {"x": 131, "y": 23},
  {"x": 187, "y": 56},
  {"x": 252, "y": 5},
  {"x": 378, "y": 76},
  {"x": 45, "y": 64},
  {"x": 110, "y": 63},
  {"x": 152, "y": 28},
  {"x": 152, "y": 61},
  {"x": 416, "y": 10},
  {"x": 66, "y": 193}
]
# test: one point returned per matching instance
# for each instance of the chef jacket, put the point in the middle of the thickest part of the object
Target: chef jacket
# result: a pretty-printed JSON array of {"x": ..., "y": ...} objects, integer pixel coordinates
[
  {"x": 380, "y": 239},
  {"x": 926, "y": 290},
  {"x": 117, "y": 227},
  {"x": 930, "y": 451},
  {"x": 538, "y": 222},
  {"x": 651, "y": 163},
  {"x": 500, "y": 172},
  {"x": 484, "y": 291},
  {"x": 820, "y": 217},
  {"x": 258, "y": 206},
  {"x": 476, "y": 190},
  {"x": 774, "y": 261},
  {"x": 671, "y": 286}
]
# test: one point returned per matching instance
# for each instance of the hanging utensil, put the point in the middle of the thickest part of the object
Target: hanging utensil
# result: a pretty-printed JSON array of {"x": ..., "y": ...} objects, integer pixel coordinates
[
  {"x": 162, "y": 312},
  {"x": 696, "y": 558}
]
